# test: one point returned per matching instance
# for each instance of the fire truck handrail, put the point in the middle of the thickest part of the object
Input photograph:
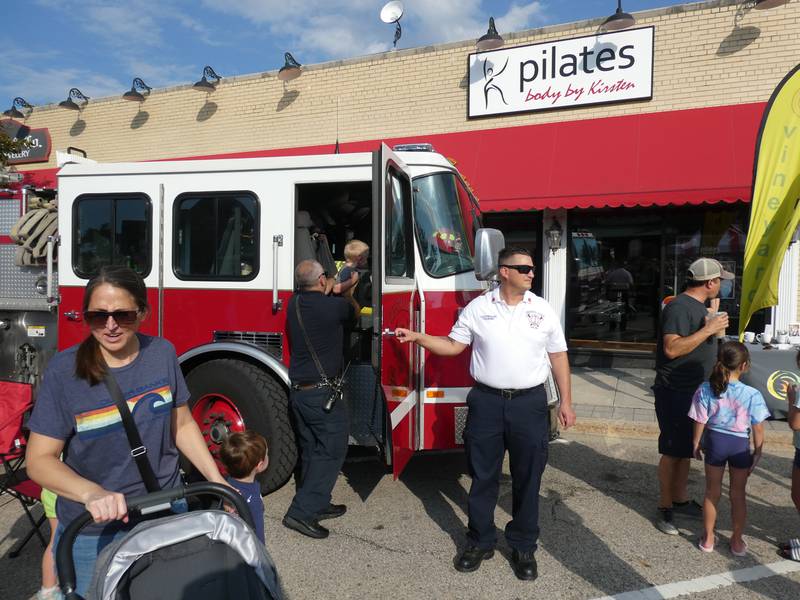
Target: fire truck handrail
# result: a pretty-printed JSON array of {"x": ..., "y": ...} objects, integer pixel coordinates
[{"x": 268, "y": 361}]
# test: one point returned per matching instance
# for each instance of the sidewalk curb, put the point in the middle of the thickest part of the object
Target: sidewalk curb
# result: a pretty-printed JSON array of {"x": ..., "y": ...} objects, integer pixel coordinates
[{"x": 641, "y": 430}]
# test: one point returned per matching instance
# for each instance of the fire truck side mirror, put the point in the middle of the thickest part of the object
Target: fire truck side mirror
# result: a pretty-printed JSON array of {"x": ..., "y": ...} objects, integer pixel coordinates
[{"x": 488, "y": 243}]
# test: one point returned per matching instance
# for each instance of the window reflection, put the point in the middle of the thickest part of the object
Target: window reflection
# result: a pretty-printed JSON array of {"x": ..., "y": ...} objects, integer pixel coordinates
[
  {"x": 623, "y": 263},
  {"x": 445, "y": 221},
  {"x": 215, "y": 236},
  {"x": 111, "y": 230},
  {"x": 399, "y": 259}
]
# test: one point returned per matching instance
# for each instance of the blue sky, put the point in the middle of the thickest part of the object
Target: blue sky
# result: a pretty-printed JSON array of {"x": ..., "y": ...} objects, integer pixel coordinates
[{"x": 99, "y": 46}]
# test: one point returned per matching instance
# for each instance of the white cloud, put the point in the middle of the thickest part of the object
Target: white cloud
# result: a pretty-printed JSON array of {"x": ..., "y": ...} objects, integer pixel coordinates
[
  {"x": 522, "y": 16},
  {"x": 334, "y": 29},
  {"x": 151, "y": 38},
  {"x": 129, "y": 25},
  {"x": 44, "y": 86}
]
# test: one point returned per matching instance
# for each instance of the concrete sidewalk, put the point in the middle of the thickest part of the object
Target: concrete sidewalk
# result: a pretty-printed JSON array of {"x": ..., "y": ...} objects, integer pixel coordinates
[{"x": 623, "y": 396}]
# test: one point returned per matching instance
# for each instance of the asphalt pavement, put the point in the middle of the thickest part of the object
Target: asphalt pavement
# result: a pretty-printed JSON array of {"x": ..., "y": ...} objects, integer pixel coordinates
[{"x": 399, "y": 538}]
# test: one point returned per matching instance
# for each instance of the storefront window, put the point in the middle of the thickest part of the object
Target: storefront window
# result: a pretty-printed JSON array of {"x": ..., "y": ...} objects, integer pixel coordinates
[{"x": 624, "y": 263}]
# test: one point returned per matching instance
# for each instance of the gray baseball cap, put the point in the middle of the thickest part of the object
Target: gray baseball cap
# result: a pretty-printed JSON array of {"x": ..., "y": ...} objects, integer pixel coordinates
[{"x": 706, "y": 269}]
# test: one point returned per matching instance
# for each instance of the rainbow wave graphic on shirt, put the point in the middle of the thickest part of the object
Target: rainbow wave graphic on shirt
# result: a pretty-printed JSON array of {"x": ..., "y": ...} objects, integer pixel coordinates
[{"x": 103, "y": 420}]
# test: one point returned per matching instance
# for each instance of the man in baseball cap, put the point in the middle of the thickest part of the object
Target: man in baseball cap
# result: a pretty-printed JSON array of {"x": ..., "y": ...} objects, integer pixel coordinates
[
  {"x": 706, "y": 269},
  {"x": 685, "y": 355}
]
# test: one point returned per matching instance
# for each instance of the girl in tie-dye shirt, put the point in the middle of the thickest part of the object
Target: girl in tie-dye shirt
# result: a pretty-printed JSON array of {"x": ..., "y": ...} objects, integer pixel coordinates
[{"x": 727, "y": 412}]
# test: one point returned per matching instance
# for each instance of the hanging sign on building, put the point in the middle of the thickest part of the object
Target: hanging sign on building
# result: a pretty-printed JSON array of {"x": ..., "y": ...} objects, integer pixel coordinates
[
  {"x": 38, "y": 148},
  {"x": 595, "y": 69}
]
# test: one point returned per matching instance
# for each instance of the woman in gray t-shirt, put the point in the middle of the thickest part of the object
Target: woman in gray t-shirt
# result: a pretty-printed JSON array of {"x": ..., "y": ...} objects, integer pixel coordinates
[{"x": 75, "y": 414}]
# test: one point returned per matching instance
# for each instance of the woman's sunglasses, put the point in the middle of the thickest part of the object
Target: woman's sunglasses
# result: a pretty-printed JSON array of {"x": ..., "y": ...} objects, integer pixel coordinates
[
  {"x": 523, "y": 269},
  {"x": 98, "y": 318}
]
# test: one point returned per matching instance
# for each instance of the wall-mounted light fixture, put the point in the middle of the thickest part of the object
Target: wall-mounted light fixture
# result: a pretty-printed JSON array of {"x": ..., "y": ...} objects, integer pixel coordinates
[
  {"x": 290, "y": 69},
  {"x": 20, "y": 109},
  {"x": 554, "y": 235},
  {"x": 139, "y": 91},
  {"x": 490, "y": 40},
  {"x": 619, "y": 20},
  {"x": 204, "y": 85},
  {"x": 76, "y": 100},
  {"x": 764, "y": 4}
]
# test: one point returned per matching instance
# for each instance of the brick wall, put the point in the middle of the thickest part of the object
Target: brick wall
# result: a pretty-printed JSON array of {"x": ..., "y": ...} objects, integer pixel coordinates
[{"x": 704, "y": 56}]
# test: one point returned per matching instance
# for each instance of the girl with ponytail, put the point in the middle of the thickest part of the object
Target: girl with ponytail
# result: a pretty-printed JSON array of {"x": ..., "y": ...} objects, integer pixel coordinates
[{"x": 727, "y": 411}]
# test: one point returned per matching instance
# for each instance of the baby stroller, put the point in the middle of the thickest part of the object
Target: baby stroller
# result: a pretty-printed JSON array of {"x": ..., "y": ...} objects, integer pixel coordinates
[{"x": 198, "y": 555}]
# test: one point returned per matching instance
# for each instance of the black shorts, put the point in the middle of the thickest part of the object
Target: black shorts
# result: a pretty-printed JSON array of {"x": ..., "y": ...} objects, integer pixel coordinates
[
  {"x": 674, "y": 424},
  {"x": 797, "y": 458}
]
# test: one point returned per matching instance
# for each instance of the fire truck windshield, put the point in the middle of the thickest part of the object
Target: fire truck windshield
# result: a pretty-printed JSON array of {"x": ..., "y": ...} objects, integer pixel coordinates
[{"x": 445, "y": 216}]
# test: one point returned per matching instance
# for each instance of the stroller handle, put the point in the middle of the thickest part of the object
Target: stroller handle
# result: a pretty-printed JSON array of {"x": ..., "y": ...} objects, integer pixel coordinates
[{"x": 65, "y": 566}]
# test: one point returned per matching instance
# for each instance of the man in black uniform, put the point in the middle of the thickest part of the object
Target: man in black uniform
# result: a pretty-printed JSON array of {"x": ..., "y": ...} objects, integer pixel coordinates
[
  {"x": 686, "y": 352},
  {"x": 322, "y": 436}
]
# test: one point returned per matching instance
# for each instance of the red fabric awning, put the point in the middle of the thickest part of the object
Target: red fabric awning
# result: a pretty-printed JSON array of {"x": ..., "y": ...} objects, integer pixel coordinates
[
  {"x": 669, "y": 158},
  {"x": 695, "y": 156}
]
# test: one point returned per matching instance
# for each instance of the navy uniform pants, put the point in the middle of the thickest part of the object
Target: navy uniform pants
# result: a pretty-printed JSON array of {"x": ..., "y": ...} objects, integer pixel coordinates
[
  {"x": 496, "y": 424},
  {"x": 322, "y": 440}
]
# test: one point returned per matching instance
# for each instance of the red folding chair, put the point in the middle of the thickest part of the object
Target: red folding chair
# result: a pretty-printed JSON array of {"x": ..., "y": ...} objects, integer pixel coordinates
[{"x": 15, "y": 401}]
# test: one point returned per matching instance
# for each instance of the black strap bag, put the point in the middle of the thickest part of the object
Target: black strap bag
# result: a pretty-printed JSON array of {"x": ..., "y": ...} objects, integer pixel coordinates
[{"x": 138, "y": 449}]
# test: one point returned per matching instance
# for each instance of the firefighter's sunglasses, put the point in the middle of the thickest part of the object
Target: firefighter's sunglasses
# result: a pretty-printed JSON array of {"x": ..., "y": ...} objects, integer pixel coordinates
[
  {"x": 98, "y": 318},
  {"x": 523, "y": 269}
]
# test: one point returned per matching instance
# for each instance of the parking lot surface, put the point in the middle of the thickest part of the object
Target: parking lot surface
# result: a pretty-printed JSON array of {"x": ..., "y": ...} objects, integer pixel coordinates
[{"x": 398, "y": 538}]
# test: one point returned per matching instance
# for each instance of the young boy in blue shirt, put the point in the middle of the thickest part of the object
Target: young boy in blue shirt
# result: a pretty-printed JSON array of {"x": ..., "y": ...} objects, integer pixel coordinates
[{"x": 244, "y": 455}]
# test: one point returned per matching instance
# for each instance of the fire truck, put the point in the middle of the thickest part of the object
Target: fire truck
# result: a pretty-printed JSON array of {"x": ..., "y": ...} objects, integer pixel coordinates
[{"x": 217, "y": 241}]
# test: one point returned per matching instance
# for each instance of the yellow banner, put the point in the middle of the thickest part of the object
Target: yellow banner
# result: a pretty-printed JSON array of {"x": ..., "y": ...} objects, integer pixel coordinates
[{"x": 776, "y": 192}]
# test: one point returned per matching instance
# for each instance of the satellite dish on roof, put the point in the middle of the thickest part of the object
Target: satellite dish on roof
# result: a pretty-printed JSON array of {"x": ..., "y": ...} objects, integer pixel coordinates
[{"x": 392, "y": 11}]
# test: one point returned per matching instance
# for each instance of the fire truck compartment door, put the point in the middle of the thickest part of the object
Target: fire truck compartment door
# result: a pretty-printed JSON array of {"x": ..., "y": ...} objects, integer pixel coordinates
[{"x": 396, "y": 300}]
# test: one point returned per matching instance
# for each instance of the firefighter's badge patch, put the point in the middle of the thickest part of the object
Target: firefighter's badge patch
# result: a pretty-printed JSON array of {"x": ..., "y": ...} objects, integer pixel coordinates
[{"x": 534, "y": 319}]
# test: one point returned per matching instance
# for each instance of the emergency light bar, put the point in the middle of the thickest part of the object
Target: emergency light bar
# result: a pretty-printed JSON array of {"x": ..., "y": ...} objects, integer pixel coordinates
[{"x": 413, "y": 148}]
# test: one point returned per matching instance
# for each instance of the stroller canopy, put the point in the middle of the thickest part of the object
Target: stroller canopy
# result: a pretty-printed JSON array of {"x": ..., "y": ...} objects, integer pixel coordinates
[{"x": 204, "y": 555}]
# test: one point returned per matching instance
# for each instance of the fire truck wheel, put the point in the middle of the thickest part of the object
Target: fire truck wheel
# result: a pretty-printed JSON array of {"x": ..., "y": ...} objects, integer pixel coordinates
[{"x": 230, "y": 395}]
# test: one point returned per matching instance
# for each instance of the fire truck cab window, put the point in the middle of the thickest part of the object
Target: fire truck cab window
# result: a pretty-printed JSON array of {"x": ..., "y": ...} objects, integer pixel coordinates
[
  {"x": 111, "y": 229},
  {"x": 445, "y": 229},
  {"x": 216, "y": 236},
  {"x": 399, "y": 251}
]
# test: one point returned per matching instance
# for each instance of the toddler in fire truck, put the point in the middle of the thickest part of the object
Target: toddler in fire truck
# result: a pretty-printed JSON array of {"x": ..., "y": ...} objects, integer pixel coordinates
[
  {"x": 245, "y": 455},
  {"x": 356, "y": 254}
]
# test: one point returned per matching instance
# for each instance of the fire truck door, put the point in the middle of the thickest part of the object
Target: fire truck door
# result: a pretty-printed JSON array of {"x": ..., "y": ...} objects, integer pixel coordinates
[{"x": 394, "y": 301}]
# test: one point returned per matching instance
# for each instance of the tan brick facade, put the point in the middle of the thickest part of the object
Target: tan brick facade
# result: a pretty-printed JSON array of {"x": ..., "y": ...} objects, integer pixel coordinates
[{"x": 704, "y": 56}]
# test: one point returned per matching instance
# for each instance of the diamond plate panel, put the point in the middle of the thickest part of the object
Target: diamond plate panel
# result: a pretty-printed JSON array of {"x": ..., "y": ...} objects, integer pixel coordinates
[
  {"x": 365, "y": 405},
  {"x": 18, "y": 283},
  {"x": 9, "y": 214},
  {"x": 460, "y": 418}
]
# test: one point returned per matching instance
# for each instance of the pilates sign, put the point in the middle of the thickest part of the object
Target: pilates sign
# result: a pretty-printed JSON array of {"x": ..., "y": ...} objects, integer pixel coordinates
[{"x": 595, "y": 69}]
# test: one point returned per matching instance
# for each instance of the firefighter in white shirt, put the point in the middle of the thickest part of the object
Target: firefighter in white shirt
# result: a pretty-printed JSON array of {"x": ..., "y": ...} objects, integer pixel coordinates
[{"x": 516, "y": 339}]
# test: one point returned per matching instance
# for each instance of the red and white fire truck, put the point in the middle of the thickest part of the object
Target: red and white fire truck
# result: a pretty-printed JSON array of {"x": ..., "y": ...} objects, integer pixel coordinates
[{"x": 217, "y": 242}]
